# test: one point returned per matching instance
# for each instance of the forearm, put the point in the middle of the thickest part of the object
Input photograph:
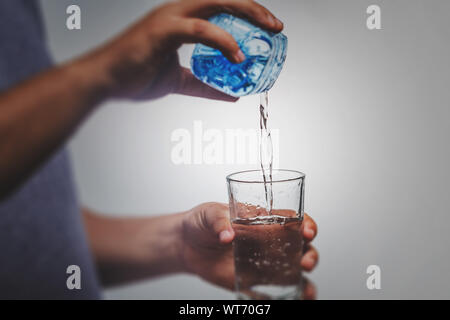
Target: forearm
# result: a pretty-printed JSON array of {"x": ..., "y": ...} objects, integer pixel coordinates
[
  {"x": 38, "y": 115},
  {"x": 129, "y": 249}
]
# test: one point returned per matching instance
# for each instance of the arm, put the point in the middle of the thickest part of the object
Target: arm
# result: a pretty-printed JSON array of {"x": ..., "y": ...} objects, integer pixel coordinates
[
  {"x": 197, "y": 241},
  {"x": 38, "y": 115},
  {"x": 128, "y": 249}
]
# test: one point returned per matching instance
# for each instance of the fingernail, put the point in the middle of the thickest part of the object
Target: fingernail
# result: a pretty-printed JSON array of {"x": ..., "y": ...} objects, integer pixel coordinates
[
  {"x": 271, "y": 20},
  {"x": 279, "y": 23},
  {"x": 311, "y": 261},
  {"x": 225, "y": 235},
  {"x": 239, "y": 56},
  {"x": 309, "y": 232}
]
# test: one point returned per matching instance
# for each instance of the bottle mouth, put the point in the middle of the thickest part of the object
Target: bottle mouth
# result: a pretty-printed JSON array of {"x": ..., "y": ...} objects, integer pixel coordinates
[{"x": 274, "y": 64}]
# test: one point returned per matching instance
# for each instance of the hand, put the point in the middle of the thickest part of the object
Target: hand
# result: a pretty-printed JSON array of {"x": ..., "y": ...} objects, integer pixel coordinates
[
  {"x": 143, "y": 62},
  {"x": 207, "y": 252}
]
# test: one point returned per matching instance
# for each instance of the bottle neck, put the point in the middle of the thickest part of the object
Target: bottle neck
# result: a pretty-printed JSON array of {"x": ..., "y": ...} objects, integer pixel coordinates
[{"x": 274, "y": 64}]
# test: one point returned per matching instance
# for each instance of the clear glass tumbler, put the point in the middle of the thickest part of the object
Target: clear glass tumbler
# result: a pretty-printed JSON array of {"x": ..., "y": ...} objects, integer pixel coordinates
[{"x": 268, "y": 246}]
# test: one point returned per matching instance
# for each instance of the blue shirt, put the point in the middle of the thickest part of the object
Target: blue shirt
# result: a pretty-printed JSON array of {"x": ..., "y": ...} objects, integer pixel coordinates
[{"x": 41, "y": 230}]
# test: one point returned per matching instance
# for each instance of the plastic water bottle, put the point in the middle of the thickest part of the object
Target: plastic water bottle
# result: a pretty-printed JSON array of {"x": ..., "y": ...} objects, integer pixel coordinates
[{"x": 265, "y": 54}]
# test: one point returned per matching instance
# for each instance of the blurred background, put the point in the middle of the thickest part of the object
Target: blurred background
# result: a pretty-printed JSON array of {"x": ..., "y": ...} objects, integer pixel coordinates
[{"x": 365, "y": 114}]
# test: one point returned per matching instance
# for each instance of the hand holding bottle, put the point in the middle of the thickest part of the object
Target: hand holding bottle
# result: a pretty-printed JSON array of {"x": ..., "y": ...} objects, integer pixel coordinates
[{"x": 143, "y": 63}]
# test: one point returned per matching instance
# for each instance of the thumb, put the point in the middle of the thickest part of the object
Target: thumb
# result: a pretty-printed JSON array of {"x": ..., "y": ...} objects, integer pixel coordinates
[{"x": 218, "y": 220}]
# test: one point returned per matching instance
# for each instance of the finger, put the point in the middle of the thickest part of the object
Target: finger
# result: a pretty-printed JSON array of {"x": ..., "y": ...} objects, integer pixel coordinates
[
  {"x": 191, "y": 86},
  {"x": 217, "y": 219},
  {"x": 309, "y": 290},
  {"x": 250, "y": 10},
  {"x": 309, "y": 228},
  {"x": 310, "y": 259},
  {"x": 199, "y": 30}
]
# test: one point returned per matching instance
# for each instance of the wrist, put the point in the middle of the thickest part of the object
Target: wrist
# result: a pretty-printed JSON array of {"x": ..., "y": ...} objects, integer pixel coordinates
[
  {"x": 90, "y": 77},
  {"x": 165, "y": 243},
  {"x": 181, "y": 244}
]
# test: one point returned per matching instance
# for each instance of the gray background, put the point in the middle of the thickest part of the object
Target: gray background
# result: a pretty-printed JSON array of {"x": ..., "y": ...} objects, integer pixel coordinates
[{"x": 365, "y": 114}]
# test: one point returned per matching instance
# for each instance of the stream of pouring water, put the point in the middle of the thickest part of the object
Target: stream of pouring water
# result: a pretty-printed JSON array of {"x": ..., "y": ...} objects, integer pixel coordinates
[{"x": 266, "y": 150}]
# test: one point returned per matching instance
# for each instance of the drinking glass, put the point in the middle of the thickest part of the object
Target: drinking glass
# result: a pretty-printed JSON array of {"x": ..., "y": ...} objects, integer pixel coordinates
[{"x": 268, "y": 246}]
